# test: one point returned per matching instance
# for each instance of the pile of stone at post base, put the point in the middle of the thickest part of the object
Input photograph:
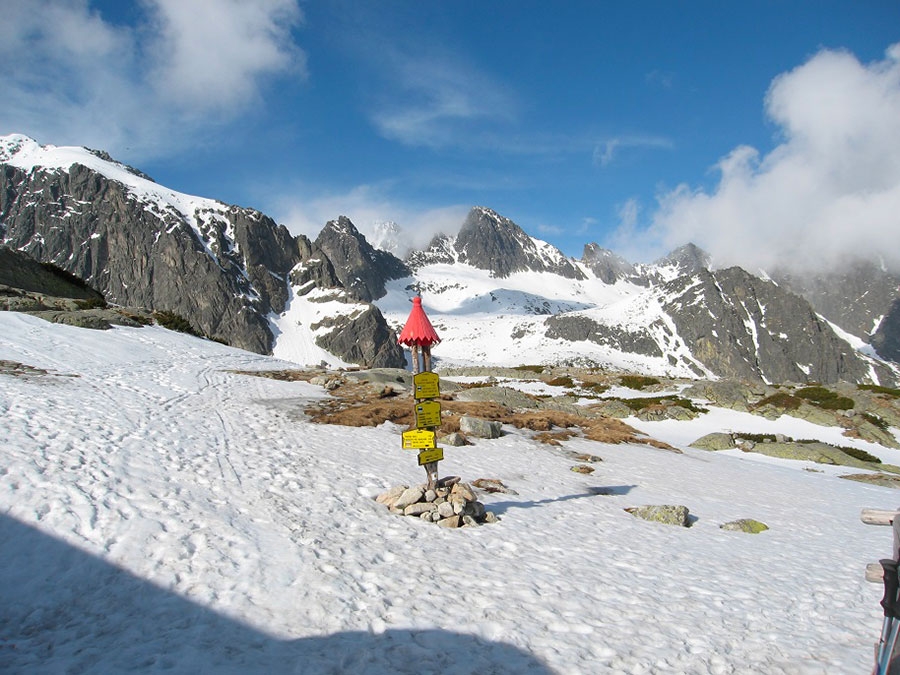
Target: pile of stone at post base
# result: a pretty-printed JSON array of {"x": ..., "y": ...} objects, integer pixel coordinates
[{"x": 450, "y": 504}]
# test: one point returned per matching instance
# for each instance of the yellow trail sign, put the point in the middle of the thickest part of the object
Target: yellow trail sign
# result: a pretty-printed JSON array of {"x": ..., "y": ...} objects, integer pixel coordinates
[
  {"x": 425, "y": 385},
  {"x": 418, "y": 439},
  {"x": 428, "y": 414},
  {"x": 429, "y": 456}
]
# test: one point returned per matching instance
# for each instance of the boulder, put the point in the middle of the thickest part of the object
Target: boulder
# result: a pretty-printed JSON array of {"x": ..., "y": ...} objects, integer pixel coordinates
[
  {"x": 723, "y": 393},
  {"x": 456, "y": 440},
  {"x": 714, "y": 441},
  {"x": 419, "y": 508},
  {"x": 665, "y": 514},
  {"x": 613, "y": 408},
  {"x": 479, "y": 428},
  {"x": 410, "y": 496},
  {"x": 390, "y": 497}
]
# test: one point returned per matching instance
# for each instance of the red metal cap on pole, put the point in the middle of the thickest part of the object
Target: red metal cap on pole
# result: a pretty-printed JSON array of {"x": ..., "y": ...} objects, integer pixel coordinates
[{"x": 418, "y": 330}]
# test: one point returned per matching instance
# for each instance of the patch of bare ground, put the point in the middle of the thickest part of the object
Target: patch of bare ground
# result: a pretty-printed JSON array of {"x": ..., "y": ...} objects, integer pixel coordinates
[
  {"x": 283, "y": 375},
  {"x": 362, "y": 405}
]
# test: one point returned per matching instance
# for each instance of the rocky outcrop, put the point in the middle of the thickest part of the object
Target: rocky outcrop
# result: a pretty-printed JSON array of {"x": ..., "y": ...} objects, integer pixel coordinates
[
  {"x": 361, "y": 268},
  {"x": 363, "y": 338},
  {"x": 19, "y": 270}
]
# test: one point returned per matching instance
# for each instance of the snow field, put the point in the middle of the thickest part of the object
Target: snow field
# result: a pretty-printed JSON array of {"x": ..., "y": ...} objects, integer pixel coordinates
[{"x": 162, "y": 513}]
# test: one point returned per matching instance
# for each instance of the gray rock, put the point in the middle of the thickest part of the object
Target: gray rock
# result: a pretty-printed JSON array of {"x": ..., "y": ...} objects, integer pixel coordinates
[
  {"x": 714, "y": 441},
  {"x": 450, "y": 522},
  {"x": 429, "y": 496},
  {"x": 747, "y": 525},
  {"x": 455, "y": 439},
  {"x": 418, "y": 509},
  {"x": 390, "y": 497},
  {"x": 410, "y": 496},
  {"x": 665, "y": 514},
  {"x": 445, "y": 509},
  {"x": 723, "y": 393},
  {"x": 613, "y": 408},
  {"x": 479, "y": 428}
]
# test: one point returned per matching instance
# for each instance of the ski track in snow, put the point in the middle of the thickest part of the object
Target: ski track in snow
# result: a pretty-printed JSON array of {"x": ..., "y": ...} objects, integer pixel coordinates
[{"x": 161, "y": 513}]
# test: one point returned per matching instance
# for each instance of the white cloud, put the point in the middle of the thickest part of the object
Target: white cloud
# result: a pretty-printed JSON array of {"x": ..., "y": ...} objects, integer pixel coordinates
[
  {"x": 366, "y": 205},
  {"x": 606, "y": 151},
  {"x": 437, "y": 101},
  {"x": 828, "y": 193},
  {"x": 210, "y": 54},
  {"x": 70, "y": 77}
]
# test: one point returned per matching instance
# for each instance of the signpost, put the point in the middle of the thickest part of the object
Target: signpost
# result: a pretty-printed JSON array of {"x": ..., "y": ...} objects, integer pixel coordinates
[
  {"x": 418, "y": 334},
  {"x": 419, "y": 439},
  {"x": 428, "y": 414}
]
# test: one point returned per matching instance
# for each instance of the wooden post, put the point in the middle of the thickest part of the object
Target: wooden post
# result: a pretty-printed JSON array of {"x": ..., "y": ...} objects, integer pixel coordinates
[{"x": 418, "y": 334}]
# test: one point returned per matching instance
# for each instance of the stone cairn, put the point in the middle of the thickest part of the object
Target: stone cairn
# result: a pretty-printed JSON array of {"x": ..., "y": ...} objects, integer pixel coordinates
[{"x": 451, "y": 503}]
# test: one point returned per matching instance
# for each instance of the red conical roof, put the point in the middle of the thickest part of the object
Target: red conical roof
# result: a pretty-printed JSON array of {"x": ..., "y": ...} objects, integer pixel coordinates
[{"x": 418, "y": 329}]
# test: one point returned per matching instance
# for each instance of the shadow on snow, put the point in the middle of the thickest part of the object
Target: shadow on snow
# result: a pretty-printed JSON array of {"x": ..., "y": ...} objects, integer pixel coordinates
[
  {"x": 616, "y": 490},
  {"x": 65, "y": 610}
]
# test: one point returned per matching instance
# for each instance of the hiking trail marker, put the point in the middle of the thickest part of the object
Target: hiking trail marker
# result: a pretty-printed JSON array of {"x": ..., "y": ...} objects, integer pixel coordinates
[{"x": 418, "y": 334}]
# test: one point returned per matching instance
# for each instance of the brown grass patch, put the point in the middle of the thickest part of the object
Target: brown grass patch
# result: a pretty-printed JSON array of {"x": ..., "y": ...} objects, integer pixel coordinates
[{"x": 357, "y": 405}]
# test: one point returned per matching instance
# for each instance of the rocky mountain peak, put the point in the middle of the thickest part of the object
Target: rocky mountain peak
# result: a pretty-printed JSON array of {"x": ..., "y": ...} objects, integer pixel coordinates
[
  {"x": 687, "y": 259},
  {"x": 607, "y": 266},
  {"x": 361, "y": 268},
  {"x": 492, "y": 242}
]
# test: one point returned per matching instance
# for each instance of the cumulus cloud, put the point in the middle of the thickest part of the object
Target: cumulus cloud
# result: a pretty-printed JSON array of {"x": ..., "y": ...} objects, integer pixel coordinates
[
  {"x": 70, "y": 76},
  {"x": 827, "y": 194},
  {"x": 210, "y": 54},
  {"x": 366, "y": 205}
]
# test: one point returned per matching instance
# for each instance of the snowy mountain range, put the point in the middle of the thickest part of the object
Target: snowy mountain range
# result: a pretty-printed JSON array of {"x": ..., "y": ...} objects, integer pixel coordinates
[{"x": 495, "y": 294}]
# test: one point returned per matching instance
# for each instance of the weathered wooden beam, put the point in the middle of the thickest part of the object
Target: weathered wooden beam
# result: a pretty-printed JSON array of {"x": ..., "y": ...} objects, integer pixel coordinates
[
  {"x": 878, "y": 516},
  {"x": 874, "y": 573}
]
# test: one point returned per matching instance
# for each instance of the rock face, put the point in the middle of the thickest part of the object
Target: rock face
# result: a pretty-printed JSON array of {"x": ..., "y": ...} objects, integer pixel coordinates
[
  {"x": 886, "y": 338},
  {"x": 98, "y": 230},
  {"x": 743, "y": 327},
  {"x": 855, "y": 297},
  {"x": 360, "y": 267},
  {"x": 19, "y": 270},
  {"x": 223, "y": 268}
]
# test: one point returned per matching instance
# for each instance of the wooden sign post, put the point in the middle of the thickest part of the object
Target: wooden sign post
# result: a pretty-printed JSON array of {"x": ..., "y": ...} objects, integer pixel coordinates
[{"x": 418, "y": 334}]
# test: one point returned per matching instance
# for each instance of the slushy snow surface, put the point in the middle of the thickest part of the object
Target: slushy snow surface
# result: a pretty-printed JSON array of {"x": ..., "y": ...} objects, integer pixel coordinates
[{"x": 161, "y": 513}]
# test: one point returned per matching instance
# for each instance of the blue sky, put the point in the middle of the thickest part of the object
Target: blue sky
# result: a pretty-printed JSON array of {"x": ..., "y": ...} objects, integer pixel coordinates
[{"x": 636, "y": 125}]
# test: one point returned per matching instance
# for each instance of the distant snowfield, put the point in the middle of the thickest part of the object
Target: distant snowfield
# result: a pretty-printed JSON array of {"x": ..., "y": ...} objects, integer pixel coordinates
[{"x": 161, "y": 513}]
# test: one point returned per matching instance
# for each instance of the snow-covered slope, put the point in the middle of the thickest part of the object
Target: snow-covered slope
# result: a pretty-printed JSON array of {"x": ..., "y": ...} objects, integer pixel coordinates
[{"x": 163, "y": 513}]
